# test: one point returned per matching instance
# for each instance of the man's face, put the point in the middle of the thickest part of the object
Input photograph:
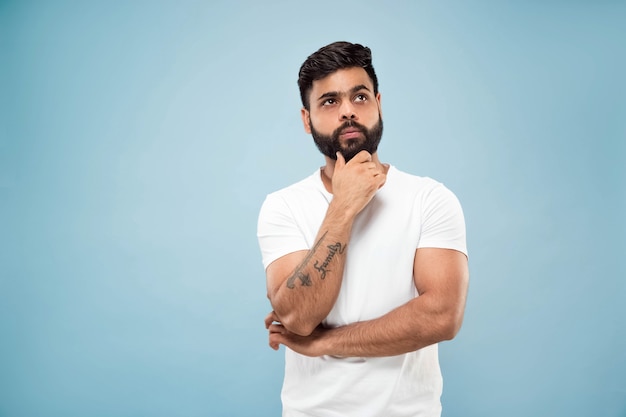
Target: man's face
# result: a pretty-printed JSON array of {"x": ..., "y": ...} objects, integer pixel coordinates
[{"x": 344, "y": 114}]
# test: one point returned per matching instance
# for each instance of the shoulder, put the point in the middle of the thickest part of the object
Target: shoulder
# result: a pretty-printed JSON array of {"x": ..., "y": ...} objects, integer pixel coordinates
[
  {"x": 417, "y": 185},
  {"x": 425, "y": 194},
  {"x": 305, "y": 185},
  {"x": 307, "y": 191}
]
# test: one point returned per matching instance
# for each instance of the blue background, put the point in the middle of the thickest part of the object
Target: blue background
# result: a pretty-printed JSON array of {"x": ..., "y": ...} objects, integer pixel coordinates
[{"x": 138, "y": 140}]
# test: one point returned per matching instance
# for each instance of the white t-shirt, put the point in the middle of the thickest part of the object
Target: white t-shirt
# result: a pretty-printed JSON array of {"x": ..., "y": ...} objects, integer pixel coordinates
[{"x": 407, "y": 213}]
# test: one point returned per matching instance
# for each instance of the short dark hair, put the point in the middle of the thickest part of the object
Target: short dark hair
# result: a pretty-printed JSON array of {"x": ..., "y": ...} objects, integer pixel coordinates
[{"x": 330, "y": 58}]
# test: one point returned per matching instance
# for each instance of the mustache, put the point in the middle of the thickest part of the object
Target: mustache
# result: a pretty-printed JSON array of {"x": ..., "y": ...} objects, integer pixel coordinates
[{"x": 347, "y": 124}]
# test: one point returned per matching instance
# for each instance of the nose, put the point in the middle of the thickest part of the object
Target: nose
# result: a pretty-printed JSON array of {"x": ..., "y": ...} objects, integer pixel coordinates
[{"x": 347, "y": 112}]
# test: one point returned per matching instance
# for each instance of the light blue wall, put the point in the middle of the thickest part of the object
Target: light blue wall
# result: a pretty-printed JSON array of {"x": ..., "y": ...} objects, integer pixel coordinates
[{"x": 138, "y": 140}]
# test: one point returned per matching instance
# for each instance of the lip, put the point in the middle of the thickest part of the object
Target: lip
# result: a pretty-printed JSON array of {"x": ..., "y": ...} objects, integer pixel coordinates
[{"x": 350, "y": 133}]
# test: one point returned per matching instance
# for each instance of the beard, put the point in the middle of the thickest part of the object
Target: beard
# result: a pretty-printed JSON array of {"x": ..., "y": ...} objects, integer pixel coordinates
[{"x": 329, "y": 145}]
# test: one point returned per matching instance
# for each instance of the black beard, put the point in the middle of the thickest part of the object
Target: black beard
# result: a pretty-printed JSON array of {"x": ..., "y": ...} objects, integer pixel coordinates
[{"x": 329, "y": 145}]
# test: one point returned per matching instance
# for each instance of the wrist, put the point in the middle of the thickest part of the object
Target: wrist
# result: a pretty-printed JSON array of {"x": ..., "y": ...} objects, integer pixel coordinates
[
  {"x": 328, "y": 342},
  {"x": 341, "y": 212}
]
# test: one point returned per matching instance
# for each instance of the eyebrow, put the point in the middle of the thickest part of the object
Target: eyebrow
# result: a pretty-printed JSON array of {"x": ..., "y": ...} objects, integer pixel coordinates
[{"x": 353, "y": 90}]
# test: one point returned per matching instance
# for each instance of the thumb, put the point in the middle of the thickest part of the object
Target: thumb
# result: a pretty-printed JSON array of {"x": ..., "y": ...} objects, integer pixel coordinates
[{"x": 341, "y": 162}]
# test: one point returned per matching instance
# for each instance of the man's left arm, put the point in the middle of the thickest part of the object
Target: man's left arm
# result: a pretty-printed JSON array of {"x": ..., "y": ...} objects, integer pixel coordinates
[{"x": 441, "y": 277}]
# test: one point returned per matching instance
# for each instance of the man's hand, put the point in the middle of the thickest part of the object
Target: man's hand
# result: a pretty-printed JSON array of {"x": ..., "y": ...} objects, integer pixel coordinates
[
  {"x": 355, "y": 183},
  {"x": 305, "y": 345}
]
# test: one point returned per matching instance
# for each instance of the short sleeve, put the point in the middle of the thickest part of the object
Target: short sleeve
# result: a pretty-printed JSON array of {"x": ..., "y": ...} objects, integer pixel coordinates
[
  {"x": 443, "y": 223},
  {"x": 277, "y": 231}
]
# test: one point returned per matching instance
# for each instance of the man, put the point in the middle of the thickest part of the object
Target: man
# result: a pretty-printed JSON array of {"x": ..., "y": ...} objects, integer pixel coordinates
[{"x": 366, "y": 265}]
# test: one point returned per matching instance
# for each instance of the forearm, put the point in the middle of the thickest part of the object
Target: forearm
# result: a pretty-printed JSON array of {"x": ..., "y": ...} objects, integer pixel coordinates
[
  {"x": 303, "y": 298},
  {"x": 412, "y": 326},
  {"x": 303, "y": 288}
]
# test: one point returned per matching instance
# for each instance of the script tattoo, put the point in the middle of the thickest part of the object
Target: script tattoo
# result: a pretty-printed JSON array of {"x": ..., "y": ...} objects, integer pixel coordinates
[
  {"x": 332, "y": 251},
  {"x": 305, "y": 279}
]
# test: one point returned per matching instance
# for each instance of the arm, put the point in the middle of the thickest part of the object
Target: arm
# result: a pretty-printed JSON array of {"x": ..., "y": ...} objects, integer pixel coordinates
[
  {"x": 441, "y": 277},
  {"x": 303, "y": 286}
]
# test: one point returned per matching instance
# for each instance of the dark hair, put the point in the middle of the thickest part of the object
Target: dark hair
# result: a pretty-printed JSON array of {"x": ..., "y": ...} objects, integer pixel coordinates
[{"x": 330, "y": 58}]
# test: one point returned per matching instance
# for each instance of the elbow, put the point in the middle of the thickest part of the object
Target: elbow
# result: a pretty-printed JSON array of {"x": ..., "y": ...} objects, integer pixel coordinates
[
  {"x": 296, "y": 325},
  {"x": 299, "y": 327},
  {"x": 293, "y": 320},
  {"x": 451, "y": 325}
]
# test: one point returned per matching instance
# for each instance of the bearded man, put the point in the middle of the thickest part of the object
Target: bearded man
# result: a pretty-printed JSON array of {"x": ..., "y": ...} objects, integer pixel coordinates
[{"x": 366, "y": 265}]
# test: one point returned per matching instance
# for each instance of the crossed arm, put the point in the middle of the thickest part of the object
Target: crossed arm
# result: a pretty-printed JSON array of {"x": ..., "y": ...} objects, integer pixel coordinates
[
  {"x": 303, "y": 286},
  {"x": 441, "y": 278}
]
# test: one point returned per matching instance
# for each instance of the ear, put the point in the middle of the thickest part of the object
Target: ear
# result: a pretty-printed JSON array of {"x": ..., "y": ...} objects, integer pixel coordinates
[
  {"x": 380, "y": 107},
  {"x": 306, "y": 120}
]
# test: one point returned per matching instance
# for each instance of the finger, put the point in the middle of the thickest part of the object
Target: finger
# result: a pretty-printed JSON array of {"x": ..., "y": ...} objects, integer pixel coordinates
[
  {"x": 341, "y": 162},
  {"x": 271, "y": 318},
  {"x": 274, "y": 342},
  {"x": 362, "y": 157},
  {"x": 278, "y": 328},
  {"x": 381, "y": 180},
  {"x": 274, "y": 345}
]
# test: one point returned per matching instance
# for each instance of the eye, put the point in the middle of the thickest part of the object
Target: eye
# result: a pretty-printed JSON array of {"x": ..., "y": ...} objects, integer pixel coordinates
[
  {"x": 360, "y": 98},
  {"x": 329, "y": 102}
]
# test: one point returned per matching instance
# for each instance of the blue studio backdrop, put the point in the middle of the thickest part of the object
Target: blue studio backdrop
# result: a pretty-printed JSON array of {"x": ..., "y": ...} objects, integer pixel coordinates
[{"x": 139, "y": 139}]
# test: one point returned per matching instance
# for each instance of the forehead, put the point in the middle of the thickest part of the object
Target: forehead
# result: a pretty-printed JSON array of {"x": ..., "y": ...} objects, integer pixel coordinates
[{"x": 341, "y": 81}]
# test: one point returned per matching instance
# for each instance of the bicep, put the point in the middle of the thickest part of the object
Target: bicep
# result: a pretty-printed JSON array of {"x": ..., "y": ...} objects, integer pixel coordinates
[{"x": 443, "y": 275}]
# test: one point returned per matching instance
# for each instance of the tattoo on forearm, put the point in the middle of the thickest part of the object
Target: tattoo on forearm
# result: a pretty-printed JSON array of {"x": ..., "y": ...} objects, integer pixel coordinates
[
  {"x": 305, "y": 278},
  {"x": 332, "y": 251}
]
